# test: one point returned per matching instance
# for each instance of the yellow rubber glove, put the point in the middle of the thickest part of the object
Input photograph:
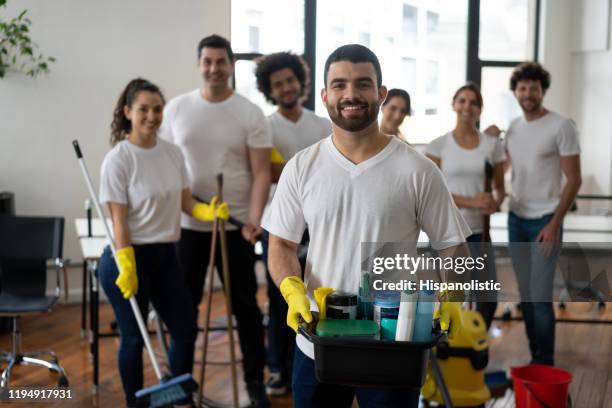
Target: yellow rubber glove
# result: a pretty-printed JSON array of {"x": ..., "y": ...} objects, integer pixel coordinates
[
  {"x": 321, "y": 295},
  {"x": 276, "y": 157},
  {"x": 294, "y": 292},
  {"x": 207, "y": 212},
  {"x": 127, "y": 280},
  {"x": 449, "y": 312}
]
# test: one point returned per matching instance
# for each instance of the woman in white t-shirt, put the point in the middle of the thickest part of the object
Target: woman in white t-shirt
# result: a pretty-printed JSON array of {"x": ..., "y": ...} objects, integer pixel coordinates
[
  {"x": 394, "y": 110},
  {"x": 145, "y": 186},
  {"x": 461, "y": 154}
]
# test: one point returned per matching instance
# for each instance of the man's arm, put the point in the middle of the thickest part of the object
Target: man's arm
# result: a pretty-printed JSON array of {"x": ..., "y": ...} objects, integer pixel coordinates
[
  {"x": 259, "y": 161},
  {"x": 570, "y": 165},
  {"x": 282, "y": 259}
]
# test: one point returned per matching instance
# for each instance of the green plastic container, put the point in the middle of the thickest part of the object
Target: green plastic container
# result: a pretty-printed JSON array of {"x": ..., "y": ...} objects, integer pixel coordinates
[{"x": 347, "y": 328}]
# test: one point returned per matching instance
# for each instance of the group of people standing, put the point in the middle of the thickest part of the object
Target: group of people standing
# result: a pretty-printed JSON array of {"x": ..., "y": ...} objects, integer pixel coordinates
[{"x": 328, "y": 176}]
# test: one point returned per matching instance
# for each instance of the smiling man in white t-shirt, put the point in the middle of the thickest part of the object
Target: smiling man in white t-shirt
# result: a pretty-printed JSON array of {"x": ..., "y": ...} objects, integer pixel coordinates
[
  {"x": 358, "y": 185},
  {"x": 283, "y": 79},
  {"x": 220, "y": 131},
  {"x": 542, "y": 148}
]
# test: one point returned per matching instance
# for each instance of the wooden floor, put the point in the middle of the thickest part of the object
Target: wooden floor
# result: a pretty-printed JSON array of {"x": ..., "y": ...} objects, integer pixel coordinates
[{"x": 585, "y": 350}]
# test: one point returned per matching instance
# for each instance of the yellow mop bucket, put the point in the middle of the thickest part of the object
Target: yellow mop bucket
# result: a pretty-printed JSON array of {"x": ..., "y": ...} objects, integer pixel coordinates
[{"x": 462, "y": 361}]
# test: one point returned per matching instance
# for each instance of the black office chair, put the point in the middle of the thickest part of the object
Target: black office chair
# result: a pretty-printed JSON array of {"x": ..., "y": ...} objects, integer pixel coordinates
[{"x": 26, "y": 244}]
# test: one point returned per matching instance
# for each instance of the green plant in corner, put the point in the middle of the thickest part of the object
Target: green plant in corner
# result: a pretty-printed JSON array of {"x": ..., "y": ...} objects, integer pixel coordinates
[{"x": 17, "y": 50}]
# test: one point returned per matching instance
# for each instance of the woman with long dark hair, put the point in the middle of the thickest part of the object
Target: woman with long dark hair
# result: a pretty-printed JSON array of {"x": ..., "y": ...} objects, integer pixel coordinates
[
  {"x": 144, "y": 183},
  {"x": 394, "y": 110},
  {"x": 461, "y": 154}
]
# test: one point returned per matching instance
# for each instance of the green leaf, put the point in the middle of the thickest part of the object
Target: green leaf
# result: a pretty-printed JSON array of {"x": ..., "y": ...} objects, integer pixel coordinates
[{"x": 23, "y": 13}]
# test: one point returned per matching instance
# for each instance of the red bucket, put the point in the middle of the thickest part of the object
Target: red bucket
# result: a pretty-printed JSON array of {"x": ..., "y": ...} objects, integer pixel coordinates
[{"x": 540, "y": 386}]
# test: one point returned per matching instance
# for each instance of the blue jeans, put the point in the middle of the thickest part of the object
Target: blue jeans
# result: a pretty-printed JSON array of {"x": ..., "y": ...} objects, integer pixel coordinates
[
  {"x": 161, "y": 283},
  {"x": 535, "y": 273},
  {"x": 309, "y": 393},
  {"x": 486, "y": 301}
]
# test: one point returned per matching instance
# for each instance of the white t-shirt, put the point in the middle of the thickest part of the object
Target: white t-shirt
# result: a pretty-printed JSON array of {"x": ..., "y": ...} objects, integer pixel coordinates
[
  {"x": 387, "y": 198},
  {"x": 290, "y": 137},
  {"x": 464, "y": 169},
  {"x": 150, "y": 182},
  {"x": 535, "y": 148},
  {"x": 215, "y": 137}
]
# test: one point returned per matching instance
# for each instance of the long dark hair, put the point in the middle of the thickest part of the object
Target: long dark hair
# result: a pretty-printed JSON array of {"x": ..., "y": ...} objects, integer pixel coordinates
[
  {"x": 402, "y": 94},
  {"x": 470, "y": 86},
  {"x": 121, "y": 126}
]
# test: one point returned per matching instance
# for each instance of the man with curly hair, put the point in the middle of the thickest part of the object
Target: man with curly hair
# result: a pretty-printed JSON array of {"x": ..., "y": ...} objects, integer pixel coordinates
[
  {"x": 542, "y": 148},
  {"x": 283, "y": 78}
]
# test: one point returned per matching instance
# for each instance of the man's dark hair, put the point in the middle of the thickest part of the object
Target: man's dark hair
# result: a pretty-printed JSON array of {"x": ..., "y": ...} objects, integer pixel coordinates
[
  {"x": 530, "y": 71},
  {"x": 354, "y": 53},
  {"x": 271, "y": 63},
  {"x": 216, "y": 41}
]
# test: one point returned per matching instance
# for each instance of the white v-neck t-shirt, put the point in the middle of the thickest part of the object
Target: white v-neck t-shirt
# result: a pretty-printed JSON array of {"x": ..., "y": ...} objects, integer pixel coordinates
[
  {"x": 464, "y": 169},
  {"x": 150, "y": 182},
  {"x": 214, "y": 138},
  {"x": 387, "y": 198},
  {"x": 290, "y": 137},
  {"x": 535, "y": 148}
]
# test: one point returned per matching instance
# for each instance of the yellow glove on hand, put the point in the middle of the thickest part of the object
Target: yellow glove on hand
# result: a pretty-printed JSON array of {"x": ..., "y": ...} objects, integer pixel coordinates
[
  {"x": 127, "y": 281},
  {"x": 276, "y": 157},
  {"x": 449, "y": 312},
  {"x": 207, "y": 212},
  {"x": 294, "y": 292},
  {"x": 321, "y": 295}
]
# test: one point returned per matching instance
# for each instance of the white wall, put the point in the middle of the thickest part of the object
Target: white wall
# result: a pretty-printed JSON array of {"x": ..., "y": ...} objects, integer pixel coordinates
[
  {"x": 591, "y": 96},
  {"x": 99, "y": 47},
  {"x": 582, "y": 81}
]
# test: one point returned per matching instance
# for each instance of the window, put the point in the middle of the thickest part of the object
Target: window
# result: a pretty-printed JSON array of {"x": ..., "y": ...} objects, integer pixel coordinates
[
  {"x": 505, "y": 30},
  {"x": 409, "y": 24},
  {"x": 261, "y": 27},
  {"x": 500, "y": 106}
]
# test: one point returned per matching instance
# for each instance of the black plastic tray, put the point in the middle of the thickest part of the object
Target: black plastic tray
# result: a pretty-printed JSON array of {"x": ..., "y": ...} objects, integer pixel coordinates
[{"x": 360, "y": 362}]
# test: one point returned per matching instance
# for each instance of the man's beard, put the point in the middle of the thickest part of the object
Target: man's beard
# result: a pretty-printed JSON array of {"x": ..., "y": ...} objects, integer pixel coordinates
[
  {"x": 289, "y": 105},
  {"x": 536, "y": 105},
  {"x": 353, "y": 124}
]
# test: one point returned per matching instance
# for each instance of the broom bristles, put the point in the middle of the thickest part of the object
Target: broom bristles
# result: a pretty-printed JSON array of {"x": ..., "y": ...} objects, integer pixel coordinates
[{"x": 166, "y": 392}]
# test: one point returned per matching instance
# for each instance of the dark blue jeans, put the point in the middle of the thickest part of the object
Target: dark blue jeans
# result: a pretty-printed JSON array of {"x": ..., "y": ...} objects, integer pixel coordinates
[
  {"x": 486, "y": 302},
  {"x": 309, "y": 393},
  {"x": 535, "y": 273},
  {"x": 161, "y": 283}
]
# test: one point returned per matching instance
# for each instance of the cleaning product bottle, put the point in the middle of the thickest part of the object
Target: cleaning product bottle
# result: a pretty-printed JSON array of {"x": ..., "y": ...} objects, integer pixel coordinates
[
  {"x": 364, "y": 306},
  {"x": 424, "y": 316},
  {"x": 406, "y": 315}
]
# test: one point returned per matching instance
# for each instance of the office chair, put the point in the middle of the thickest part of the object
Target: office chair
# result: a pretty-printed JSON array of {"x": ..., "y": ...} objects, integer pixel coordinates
[{"x": 26, "y": 244}]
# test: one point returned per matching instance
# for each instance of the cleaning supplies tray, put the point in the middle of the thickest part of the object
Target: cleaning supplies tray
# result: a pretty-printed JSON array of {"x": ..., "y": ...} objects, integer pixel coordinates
[{"x": 365, "y": 362}]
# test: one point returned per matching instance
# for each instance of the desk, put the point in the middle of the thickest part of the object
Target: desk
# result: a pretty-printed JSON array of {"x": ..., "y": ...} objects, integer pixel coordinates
[{"x": 91, "y": 249}]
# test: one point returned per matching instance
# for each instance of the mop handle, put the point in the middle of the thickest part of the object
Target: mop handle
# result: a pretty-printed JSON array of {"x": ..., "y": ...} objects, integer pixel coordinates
[{"x": 133, "y": 303}]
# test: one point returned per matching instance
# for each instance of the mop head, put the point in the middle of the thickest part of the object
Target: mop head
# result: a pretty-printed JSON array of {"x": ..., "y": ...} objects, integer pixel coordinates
[{"x": 167, "y": 392}]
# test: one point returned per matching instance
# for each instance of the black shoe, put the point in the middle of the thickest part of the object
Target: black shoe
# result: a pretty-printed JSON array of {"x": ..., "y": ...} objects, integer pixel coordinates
[
  {"x": 257, "y": 395},
  {"x": 276, "y": 385}
]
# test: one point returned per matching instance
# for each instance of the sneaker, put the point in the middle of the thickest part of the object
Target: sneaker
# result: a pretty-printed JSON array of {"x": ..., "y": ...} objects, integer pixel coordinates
[
  {"x": 257, "y": 395},
  {"x": 276, "y": 385}
]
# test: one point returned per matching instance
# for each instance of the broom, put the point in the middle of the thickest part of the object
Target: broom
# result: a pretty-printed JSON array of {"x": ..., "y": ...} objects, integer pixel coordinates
[{"x": 167, "y": 391}]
